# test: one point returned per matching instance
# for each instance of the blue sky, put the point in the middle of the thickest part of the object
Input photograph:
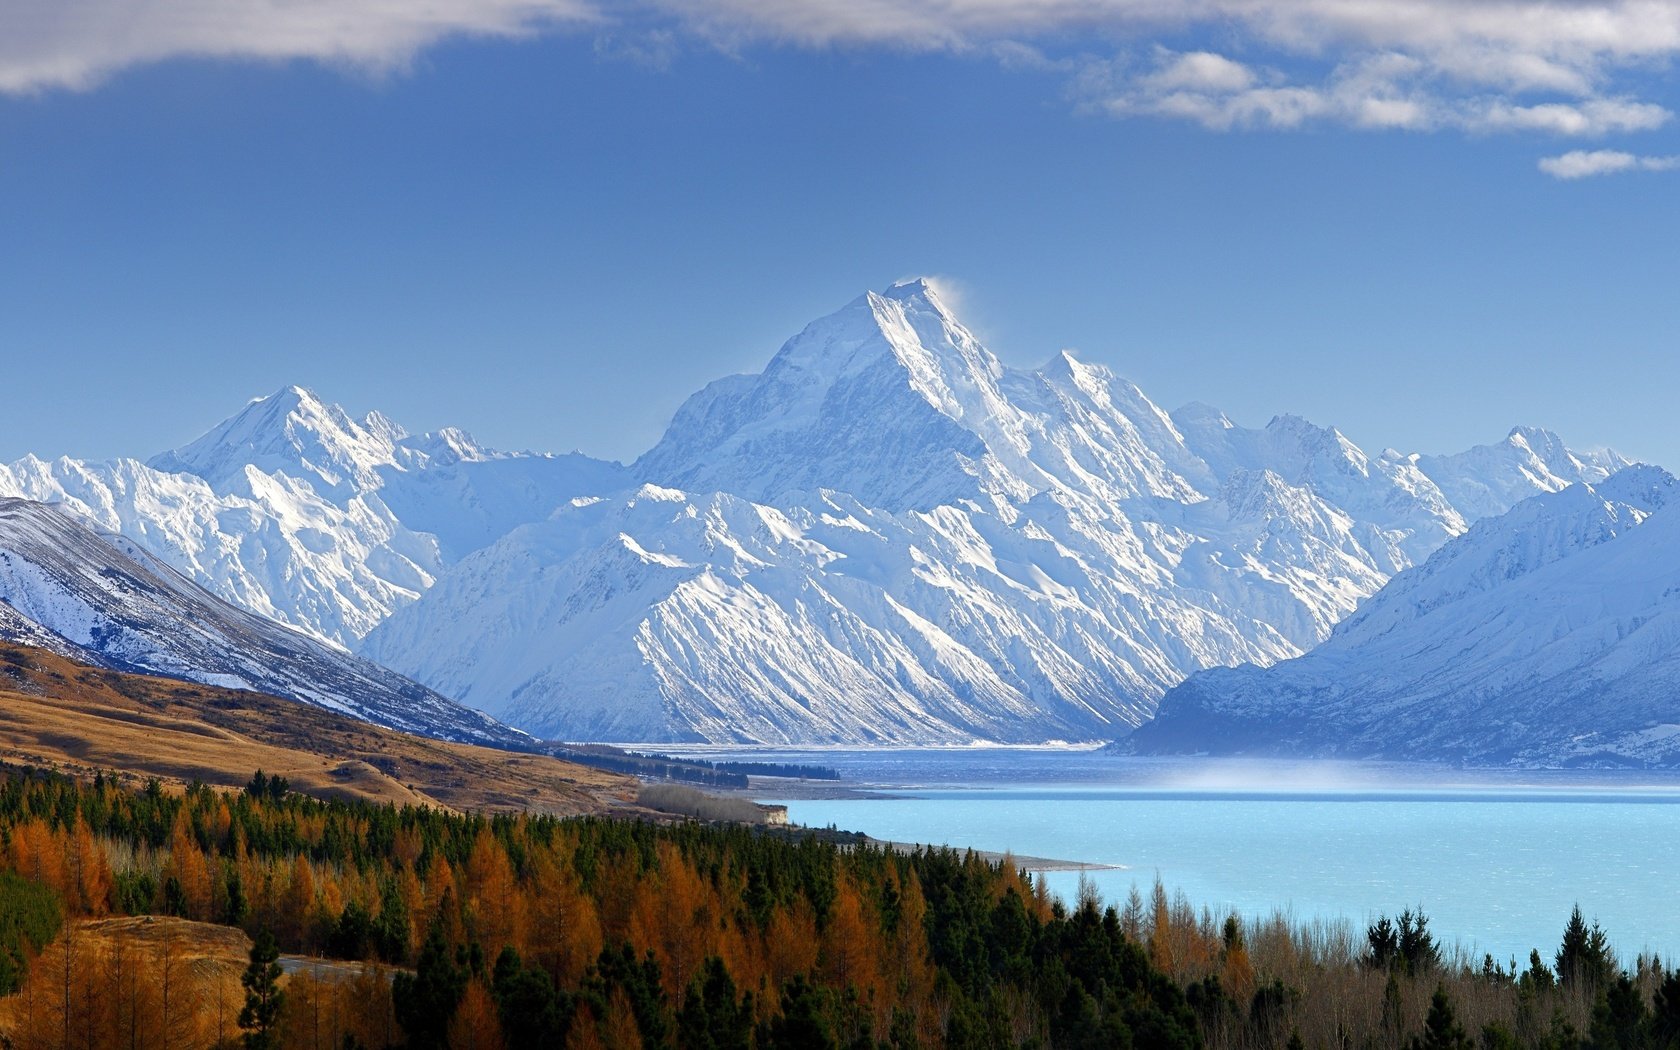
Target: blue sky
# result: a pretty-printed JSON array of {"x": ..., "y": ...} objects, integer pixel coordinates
[{"x": 548, "y": 222}]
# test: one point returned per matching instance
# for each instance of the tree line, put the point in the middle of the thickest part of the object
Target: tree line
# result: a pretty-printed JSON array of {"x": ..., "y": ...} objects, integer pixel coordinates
[
  {"x": 510, "y": 930},
  {"x": 469, "y": 932}
]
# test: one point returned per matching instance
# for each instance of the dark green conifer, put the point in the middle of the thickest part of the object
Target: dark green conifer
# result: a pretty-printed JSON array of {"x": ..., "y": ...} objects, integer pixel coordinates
[
  {"x": 1620, "y": 1018},
  {"x": 1441, "y": 1030},
  {"x": 425, "y": 1000},
  {"x": 260, "y": 1018},
  {"x": 801, "y": 1025},
  {"x": 1584, "y": 956},
  {"x": 713, "y": 1016}
]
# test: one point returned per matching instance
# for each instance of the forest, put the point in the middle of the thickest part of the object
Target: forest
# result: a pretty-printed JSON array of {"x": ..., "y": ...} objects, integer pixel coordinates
[{"x": 372, "y": 926}]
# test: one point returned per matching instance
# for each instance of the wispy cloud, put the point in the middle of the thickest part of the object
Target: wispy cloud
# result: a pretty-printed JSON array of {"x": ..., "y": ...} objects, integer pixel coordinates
[
  {"x": 1376, "y": 91},
  {"x": 1581, "y": 164},
  {"x": 1561, "y": 67},
  {"x": 77, "y": 43},
  {"x": 651, "y": 49},
  {"x": 1567, "y": 68}
]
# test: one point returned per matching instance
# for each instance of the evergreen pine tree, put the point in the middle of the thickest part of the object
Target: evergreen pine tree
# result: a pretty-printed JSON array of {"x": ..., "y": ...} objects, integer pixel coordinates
[
  {"x": 713, "y": 1016},
  {"x": 1584, "y": 956},
  {"x": 1418, "y": 950},
  {"x": 425, "y": 1001},
  {"x": 1665, "y": 1009},
  {"x": 532, "y": 1013},
  {"x": 260, "y": 1017},
  {"x": 1441, "y": 1030},
  {"x": 1620, "y": 1019},
  {"x": 801, "y": 1025},
  {"x": 1537, "y": 978},
  {"x": 1384, "y": 942}
]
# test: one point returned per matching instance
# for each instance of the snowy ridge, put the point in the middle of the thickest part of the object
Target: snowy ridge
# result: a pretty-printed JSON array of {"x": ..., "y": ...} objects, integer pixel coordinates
[
  {"x": 1486, "y": 480},
  {"x": 888, "y": 535},
  {"x": 295, "y": 511},
  {"x": 1549, "y": 635},
  {"x": 103, "y": 600}
]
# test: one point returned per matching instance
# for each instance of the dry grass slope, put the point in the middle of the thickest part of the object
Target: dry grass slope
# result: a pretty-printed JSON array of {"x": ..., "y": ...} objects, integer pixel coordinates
[{"x": 78, "y": 719}]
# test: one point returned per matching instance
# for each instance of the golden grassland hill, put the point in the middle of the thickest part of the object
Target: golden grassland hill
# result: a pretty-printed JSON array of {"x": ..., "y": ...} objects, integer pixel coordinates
[
  {"x": 151, "y": 982},
  {"x": 60, "y": 714}
]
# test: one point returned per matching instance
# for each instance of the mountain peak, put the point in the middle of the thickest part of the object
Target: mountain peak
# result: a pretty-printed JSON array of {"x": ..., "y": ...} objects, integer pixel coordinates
[
  {"x": 1067, "y": 363},
  {"x": 1642, "y": 486},
  {"x": 1536, "y": 439},
  {"x": 923, "y": 303},
  {"x": 294, "y": 394},
  {"x": 889, "y": 398},
  {"x": 913, "y": 288},
  {"x": 291, "y": 431}
]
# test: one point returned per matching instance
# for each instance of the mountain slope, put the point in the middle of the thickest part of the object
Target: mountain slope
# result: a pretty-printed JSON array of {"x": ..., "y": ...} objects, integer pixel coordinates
[
  {"x": 65, "y": 715},
  {"x": 104, "y": 597},
  {"x": 1549, "y": 635},
  {"x": 667, "y": 616},
  {"x": 888, "y": 535}
]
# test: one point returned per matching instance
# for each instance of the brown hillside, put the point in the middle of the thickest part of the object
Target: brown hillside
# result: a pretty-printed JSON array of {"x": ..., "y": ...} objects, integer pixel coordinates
[
  {"x": 114, "y": 969},
  {"x": 79, "y": 719}
]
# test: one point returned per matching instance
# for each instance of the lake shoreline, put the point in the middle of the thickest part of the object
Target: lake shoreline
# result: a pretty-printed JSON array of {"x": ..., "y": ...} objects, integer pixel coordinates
[
  {"x": 1476, "y": 850},
  {"x": 1016, "y": 860}
]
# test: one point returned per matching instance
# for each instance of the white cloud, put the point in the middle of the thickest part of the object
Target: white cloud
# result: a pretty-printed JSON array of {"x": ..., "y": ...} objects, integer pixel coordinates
[
  {"x": 77, "y": 43},
  {"x": 1580, "y": 164},
  {"x": 1592, "y": 117},
  {"x": 1201, "y": 71},
  {"x": 1386, "y": 90},
  {"x": 1559, "y": 67},
  {"x": 1569, "y": 68},
  {"x": 1553, "y": 34}
]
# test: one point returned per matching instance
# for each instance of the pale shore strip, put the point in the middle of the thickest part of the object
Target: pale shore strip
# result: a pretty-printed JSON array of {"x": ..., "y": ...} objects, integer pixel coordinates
[{"x": 1033, "y": 864}]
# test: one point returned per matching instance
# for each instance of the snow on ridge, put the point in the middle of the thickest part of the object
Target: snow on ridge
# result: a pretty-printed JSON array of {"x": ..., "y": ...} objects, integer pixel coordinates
[
  {"x": 1544, "y": 636},
  {"x": 886, "y": 534},
  {"x": 101, "y": 600},
  {"x": 1012, "y": 554}
]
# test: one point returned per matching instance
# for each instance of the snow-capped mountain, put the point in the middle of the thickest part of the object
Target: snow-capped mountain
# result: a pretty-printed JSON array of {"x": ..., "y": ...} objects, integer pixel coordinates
[
  {"x": 888, "y": 535},
  {"x": 103, "y": 600},
  {"x": 296, "y": 511},
  {"x": 1550, "y": 634},
  {"x": 1487, "y": 480},
  {"x": 885, "y": 535}
]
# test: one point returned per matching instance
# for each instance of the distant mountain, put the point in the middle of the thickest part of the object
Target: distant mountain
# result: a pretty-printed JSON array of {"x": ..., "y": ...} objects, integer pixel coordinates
[
  {"x": 103, "y": 600},
  {"x": 1548, "y": 635},
  {"x": 888, "y": 535},
  {"x": 296, "y": 511},
  {"x": 1487, "y": 480}
]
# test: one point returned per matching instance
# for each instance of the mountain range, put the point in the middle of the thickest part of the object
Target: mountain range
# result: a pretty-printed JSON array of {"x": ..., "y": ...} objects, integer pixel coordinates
[
  {"x": 1547, "y": 635},
  {"x": 887, "y": 535}
]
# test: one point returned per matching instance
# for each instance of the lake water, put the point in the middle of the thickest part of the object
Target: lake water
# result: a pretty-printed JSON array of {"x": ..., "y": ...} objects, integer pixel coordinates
[{"x": 1495, "y": 859}]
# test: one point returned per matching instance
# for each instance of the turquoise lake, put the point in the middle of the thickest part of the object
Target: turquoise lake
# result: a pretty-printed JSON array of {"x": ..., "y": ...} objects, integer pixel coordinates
[{"x": 1495, "y": 859}]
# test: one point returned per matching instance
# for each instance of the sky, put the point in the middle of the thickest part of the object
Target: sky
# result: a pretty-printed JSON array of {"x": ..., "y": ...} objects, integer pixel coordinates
[{"x": 549, "y": 221}]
